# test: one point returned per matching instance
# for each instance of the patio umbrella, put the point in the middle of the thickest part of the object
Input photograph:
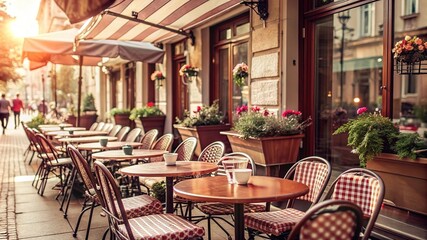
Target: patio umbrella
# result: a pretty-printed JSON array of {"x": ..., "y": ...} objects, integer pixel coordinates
[
  {"x": 77, "y": 11},
  {"x": 58, "y": 47}
]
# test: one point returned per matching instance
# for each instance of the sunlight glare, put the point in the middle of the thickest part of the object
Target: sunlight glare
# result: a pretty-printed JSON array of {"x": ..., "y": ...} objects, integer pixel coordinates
[{"x": 24, "y": 28}]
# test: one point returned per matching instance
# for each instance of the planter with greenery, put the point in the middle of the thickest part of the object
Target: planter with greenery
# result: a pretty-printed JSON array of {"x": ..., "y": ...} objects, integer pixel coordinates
[
  {"x": 40, "y": 120},
  {"x": 89, "y": 116},
  {"x": 158, "y": 190},
  {"x": 121, "y": 116},
  {"x": 399, "y": 158},
  {"x": 270, "y": 140},
  {"x": 205, "y": 124},
  {"x": 149, "y": 117}
]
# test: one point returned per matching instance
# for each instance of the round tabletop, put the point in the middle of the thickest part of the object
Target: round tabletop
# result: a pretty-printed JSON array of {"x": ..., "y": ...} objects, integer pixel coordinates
[
  {"x": 90, "y": 139},
  {"x": 120, "y": 155},
  {"x": 159, "y": 169},
  {"x": 66, "y": 129},
  {"x": 80, "y": 134},
  {"x": 55, "y": 125},
  {"x": 110, "y": 145},
  {"x": 258, "y": 189}
]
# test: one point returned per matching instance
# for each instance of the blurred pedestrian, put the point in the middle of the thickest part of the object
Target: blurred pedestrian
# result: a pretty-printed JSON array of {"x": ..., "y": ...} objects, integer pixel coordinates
[
  {"x": 4, "y": 112},
  {"x": 17, "y": 105},
  {"x": 42, "y": 107}
]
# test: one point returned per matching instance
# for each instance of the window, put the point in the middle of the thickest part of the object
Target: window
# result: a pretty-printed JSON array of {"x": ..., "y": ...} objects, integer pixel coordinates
[
  {"x": 409, "y": 85},
  {"x": 366, "y": 20},
  {"x": 410, "y": 7}
]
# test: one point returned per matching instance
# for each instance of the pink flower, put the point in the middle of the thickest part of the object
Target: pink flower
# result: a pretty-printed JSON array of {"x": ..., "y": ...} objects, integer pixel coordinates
[
  {"x": 418, "y": 41},
  {"x": 361, "y": 110},
  {"x": 150, "y": 104},
  {"x": 241, "y": 109},
  {"x": 255, "y": 109},
  {"x": 266, "y": 113},
  {"x": 289, "y": 113}
]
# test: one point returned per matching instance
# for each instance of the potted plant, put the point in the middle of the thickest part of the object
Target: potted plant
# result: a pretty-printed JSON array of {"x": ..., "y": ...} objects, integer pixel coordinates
[
  {"x": 121, "y": 116},
  {"x": 189, "y": 72},
  {"x": 399, "y": 158},
  {"x": 240, "y": 73},
  {"x": 150, "y": 116},
  {"x": 409, "y": 53},
  {"x": 205, "y": 123},
  {"x": 89, "y": 116},
  {"x": 158, "y": 77},
  {"x": 158, "y": 190},
  {"x": 270, "y": 140}
]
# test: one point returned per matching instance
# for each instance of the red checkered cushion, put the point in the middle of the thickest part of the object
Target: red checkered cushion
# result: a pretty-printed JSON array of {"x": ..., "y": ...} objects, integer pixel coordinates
[
  {"x": 312, "y": 174},
  {"x": 141, "y": 206},
  {"x": 275, "y": 222},
  {"x": 226, "y": 209},
  {"x": 162, "y": 226},
  {"x": 361, "y": 190},
  {"x": 337, "y": 225}
]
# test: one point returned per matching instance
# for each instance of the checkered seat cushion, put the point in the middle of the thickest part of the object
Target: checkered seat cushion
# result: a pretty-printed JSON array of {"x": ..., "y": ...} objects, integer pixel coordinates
[
  {"x": 162, "y": 226},
  {"x": 275, "y": 222},
  {"x": 141, "y": 205},
  {"x": 335, "y": 225},
  {"x": 226, "y": 209},
  {"x": 364, "y": 191}
]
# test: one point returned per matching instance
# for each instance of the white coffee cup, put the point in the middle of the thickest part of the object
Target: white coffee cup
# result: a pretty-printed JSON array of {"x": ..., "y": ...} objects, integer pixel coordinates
[
  {"x": 170, "y": 158},
  {"x": 241, "y": 176}
]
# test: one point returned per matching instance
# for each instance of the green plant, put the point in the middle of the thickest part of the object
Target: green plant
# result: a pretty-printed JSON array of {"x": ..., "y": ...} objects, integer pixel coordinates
[
  {"x": 421, "y": 111},
  {"x": 240, "y": 73},
  {"x": 410, "y": 145},
  {"x": 371, "y": 134},
  {"x": 203, "y": 115},
  {"x": 148, "y": 111},
  {"x": 158, "y": 190},
  {"x": 258, "y": 123},
  {"x": 89, "y": 103},
  {"x": 115, "y": 111},
  {"x": 39, "y": 120}
]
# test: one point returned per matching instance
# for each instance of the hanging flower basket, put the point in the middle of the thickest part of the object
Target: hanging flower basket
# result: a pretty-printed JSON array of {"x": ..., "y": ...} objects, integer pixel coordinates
[
  {"x": 411, "y": 55},
  {"x": 403, "y": 68}
]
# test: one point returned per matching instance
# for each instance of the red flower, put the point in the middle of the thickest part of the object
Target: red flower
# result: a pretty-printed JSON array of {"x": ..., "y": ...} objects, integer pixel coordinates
[
  {"x": 150, "y": 104},
  {"x": 266, "y": 113},
  {"x": 255, "y": 109},
  {"x": 241, "y": 109},
  {"x": 289, "y": 113},
  {"x": 199, "y": 108},
  {"x": 361, "y": 110}
]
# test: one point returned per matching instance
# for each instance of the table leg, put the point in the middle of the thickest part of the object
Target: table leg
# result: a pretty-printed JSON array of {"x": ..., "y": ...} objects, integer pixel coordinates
[
  {"x": 239, "y": 224},
  {"x": 169, "y": 194}
]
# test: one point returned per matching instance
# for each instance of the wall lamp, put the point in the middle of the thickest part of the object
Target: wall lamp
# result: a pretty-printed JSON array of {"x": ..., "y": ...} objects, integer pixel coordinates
[{"x": 260, "y": 7}]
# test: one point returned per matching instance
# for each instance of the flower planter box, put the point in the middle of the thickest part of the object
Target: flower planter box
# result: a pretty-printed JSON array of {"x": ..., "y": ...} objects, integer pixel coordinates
[
  {"x": 154, "y": 122},
  {"x": 86, "y": 120},
  {"x": 405, "y": 180},
  {"x": 267, "y": 151},
  {"x": 205, "y": 135},
  {"x": 123, "y": 119}
]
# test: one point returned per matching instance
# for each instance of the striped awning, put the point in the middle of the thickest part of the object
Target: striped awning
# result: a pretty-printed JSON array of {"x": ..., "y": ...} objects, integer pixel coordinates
[{"x": 176, "y": 15}]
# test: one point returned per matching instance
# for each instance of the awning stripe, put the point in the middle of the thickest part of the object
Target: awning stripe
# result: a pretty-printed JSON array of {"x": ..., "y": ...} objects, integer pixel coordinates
[{"x": 175, "y": 14}]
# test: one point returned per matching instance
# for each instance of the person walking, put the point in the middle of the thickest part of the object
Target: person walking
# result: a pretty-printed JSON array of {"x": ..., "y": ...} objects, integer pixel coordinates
[
  {"x": 4, "y": 112},
  {"x": 17, "y": 105}
]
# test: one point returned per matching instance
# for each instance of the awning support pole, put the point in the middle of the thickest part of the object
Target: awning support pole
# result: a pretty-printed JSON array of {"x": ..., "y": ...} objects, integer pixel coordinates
[{"x": 134, "y": 18}]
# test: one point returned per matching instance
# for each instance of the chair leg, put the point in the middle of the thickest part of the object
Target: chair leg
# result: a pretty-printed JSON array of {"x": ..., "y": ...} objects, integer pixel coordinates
[
  {"x": 105, "y": 233},
  {"x": 31, "y": 159},
  {"x": 76, "y": 229},
  {"x": 90, "y": 220},
  {"x": 68, "y": 192},
  {"x": 37, "y": 175}
]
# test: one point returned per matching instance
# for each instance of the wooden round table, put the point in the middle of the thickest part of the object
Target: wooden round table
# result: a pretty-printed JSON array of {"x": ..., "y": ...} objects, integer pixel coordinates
[
  {"x": 66, "y": 129},
  {"x": 55, "y": 125},
  {"x": 79, "y": 134},
  {"x": 159, "y": 169},
  {"x": 119, "y": 155},
  {"x": 258, "y": 189},
  {"x": 90, "y": 139},
  {"x": 110, "y": 146}
]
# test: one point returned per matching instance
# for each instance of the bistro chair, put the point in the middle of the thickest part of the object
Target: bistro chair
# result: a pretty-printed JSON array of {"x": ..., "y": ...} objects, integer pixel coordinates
[
  {"x": 155, "y": 226},
  {"x": 331, "y": 219},
  {"x": 133, "y": 207},
  {"x": 148, "y": 139},
  {"x": 163, "y": 143},
  {"x": 32, "y": 147},
  {"x": 93, "y": 126},
  {"x": 107, "y": 127},
  {"x": 364, "y": 188},
  {"x": 216, "y": 211},
  {"x": 133, "y": 135},
  {"x": 50, "y": 163},
  {"x": 314, "y": 172},
  {"x": 211, "y": 154},
  {"x": 122, "y": 133},
  {"x": 115, "y": 130},
  {"x": 100, "y": 126}
]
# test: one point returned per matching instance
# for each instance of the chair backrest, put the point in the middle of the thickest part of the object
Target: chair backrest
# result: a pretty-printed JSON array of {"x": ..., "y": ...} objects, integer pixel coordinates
[
  {"x": 186, "y": 149},
  {"x": 133, "y": 135},
  {"x": 93, "y": 126},
  {"x": 32, "y": 137},
  {"x": 148, "y": 139},
  {"x": 46, "y": 148},
  {"x": 212, "y": 153},
  {"x": 112, "y": 200},
  {"x": 107, "y": 127},
  {"x": 122, "y": 133},
  {"x": 82, "y": 167},
  {"x": 99, "y": 126},
  {"x": 163, "y": 143},
  {"x": 314, "y": 172},
  {"x": 362, "y": 187},
  {"x": 228, "y": 156},
  {"x": 331, "y": 219},
  {"x": 115, "y": 130}
]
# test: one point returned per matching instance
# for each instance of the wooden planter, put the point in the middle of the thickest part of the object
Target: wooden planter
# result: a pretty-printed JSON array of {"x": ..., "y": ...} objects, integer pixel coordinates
[
  {"x": 123, "y": 119},
  {"x": 205, "y": 135},
  {"x": 154, "y": 122},
  {"x": 405, "y": 180},
  {"x": 267, "y": 151},
  {"x": 86, "y": 120}
]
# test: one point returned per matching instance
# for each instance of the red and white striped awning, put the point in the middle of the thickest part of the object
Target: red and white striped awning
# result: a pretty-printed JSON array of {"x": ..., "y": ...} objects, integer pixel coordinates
[{"x": 178, "y": 15}]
